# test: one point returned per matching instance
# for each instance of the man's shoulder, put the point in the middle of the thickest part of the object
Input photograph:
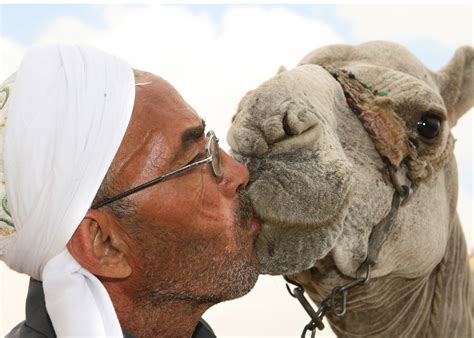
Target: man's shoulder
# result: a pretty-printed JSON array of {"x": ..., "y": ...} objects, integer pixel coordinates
[
  {"x": 23, "y": 330},
  {"x": 38, "y": 323}
]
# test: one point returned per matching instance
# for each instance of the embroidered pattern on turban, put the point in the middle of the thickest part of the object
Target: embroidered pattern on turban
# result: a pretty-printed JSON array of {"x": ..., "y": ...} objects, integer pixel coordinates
[{"x": 7, "y": 228}]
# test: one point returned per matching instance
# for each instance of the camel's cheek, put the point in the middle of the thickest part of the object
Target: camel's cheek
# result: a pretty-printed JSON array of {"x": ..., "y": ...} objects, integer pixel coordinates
[{"x": 422, "y": 232}]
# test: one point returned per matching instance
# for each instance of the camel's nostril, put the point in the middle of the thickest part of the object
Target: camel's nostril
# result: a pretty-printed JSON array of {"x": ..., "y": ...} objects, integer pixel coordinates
[
  {"x": 286, "y": 126},
  {"x": 298, "y": 117}
]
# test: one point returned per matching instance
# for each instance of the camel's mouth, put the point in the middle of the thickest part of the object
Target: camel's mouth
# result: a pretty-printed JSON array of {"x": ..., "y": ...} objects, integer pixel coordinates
[{"x": 302, "y": 202}]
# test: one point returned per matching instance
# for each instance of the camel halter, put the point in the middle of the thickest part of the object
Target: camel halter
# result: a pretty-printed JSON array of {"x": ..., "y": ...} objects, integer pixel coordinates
[{"x": 391, "y": 140}]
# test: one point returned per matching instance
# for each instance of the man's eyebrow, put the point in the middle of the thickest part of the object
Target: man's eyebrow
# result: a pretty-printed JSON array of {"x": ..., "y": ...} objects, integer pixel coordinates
[
  {"x": 192, "y": 134},
  {"x": 189, "y": 137}
]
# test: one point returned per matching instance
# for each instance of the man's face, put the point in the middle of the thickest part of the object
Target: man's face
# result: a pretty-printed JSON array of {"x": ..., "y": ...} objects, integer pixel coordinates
[{"x": 192, "y": 235}]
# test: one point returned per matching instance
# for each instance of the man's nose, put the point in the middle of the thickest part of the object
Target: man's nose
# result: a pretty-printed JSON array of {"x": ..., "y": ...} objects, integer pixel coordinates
[{"x": 235, "y": 175}]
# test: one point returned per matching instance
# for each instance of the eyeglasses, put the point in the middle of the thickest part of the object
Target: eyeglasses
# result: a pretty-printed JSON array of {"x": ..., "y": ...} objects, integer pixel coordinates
[{"x": 213, "y": 157}]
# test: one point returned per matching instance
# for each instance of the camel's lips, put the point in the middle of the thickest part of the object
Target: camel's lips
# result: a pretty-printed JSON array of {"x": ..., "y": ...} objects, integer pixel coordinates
[
  {"x": 255, "y": 224},
  {"x": 313, "y": 248}
]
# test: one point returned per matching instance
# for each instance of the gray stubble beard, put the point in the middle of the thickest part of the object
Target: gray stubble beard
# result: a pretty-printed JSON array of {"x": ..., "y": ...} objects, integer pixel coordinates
[{"x": 228, "y": 278}]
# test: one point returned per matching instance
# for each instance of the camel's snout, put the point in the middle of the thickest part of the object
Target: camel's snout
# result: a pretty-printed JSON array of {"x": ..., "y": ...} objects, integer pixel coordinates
[
  {"x": 288, "y": 112},
  {"x": 290, "y": 124}
]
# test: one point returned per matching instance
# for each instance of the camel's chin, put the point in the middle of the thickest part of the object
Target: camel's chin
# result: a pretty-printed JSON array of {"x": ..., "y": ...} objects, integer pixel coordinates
[{"x": 286, "y": 248}]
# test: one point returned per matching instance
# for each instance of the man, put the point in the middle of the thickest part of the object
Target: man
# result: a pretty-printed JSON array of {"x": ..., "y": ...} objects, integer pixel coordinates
[{"x": 145, "y": 250}]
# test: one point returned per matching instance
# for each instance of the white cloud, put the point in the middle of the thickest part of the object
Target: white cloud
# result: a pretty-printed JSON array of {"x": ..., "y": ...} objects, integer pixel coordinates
[
  {"x": 450, "y": 25},
  {"x": 212, "y": 66}
]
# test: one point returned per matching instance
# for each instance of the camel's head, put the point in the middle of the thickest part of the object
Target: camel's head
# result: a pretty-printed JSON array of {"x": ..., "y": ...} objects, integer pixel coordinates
[{"x": 317, "y": 181}]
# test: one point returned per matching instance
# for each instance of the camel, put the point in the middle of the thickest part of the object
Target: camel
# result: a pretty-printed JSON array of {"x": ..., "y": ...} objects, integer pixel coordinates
[{"x": 352, "y": 167}]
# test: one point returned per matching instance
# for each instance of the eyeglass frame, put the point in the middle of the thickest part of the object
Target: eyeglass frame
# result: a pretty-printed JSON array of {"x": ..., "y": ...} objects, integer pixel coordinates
[{"x": 212, "y": 139}]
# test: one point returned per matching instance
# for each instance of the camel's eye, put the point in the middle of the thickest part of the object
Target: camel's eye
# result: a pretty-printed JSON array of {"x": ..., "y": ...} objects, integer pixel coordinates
[{"x": 429, "y": 126}]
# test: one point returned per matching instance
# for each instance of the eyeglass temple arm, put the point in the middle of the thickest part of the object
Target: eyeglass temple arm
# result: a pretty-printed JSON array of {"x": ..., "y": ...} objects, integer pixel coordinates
[{"x": 150, "y": 183}]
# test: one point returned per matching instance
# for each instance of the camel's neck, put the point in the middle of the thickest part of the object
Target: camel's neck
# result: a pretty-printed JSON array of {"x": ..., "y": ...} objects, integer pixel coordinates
[{"x": 437, "y": 305}]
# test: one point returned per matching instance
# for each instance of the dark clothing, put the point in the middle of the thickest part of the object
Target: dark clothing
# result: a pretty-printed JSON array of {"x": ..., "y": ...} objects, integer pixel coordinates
[{"x": 38, "y": 324}]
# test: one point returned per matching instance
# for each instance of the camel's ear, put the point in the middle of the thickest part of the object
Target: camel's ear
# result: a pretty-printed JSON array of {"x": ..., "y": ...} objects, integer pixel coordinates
[
  {"x": 281, "y": 69},
  {"x": 456, "y": 83}
]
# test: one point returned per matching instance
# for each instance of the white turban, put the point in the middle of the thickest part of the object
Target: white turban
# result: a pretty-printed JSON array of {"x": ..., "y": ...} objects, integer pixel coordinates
[{"x": 68, "y": 110}]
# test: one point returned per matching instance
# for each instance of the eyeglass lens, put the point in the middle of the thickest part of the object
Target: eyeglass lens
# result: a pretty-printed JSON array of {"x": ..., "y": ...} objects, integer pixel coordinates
[{"x": 214, "y": 151}]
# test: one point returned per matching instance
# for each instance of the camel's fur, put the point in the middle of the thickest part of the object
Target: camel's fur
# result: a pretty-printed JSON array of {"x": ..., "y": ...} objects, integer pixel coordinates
[{"x": 320, "y": 187}]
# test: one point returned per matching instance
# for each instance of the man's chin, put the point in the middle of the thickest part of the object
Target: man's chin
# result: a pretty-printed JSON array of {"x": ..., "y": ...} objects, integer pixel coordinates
[{"x": 241, "y": 282}]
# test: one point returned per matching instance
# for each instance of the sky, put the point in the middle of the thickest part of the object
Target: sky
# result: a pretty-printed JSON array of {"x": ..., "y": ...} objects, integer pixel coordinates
[{"x": 214, "y": 54}]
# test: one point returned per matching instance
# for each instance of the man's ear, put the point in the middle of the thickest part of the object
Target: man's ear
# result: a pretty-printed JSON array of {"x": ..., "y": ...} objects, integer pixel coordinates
[
  {"x": 456, "y": 83},
  {"x": 100, "y": 245}
]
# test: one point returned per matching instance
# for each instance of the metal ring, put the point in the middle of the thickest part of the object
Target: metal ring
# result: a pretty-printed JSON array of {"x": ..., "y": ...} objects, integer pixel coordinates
[
  {"x": 395, "y": 180},
  {"x": 311, "y": 326},
  {"x": 409, "y": 193},
  {"x": 289, "y": 291},
  {"x": 293, "y": 282},
  {"x": 367, "y": 274},
  {"x": 335, "y": 291},
  {"x": 403, "y": 190}
]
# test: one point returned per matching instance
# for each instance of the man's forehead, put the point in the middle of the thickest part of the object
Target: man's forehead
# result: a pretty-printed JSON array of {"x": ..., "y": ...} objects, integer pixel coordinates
[
  {"x": 142, "y": 76},
  {"x": 160, "y": 107},
  {"x": 157, "y": 96},
  {"x": 162, "y": 128}
]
